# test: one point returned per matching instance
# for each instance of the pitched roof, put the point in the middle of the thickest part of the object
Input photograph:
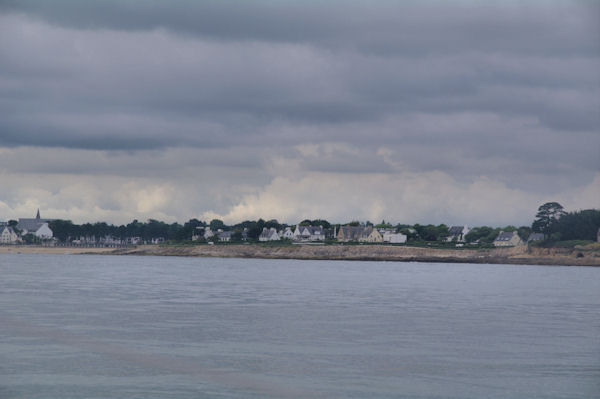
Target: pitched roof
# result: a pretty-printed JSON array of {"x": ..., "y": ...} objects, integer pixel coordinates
[
  {"x": 312, "y": 230},
  {"x": 267, "y": 233},
  {"x": 366, "y": 231},
  {"x": 505, "y": 235},
  {"x": 6, "y": 227},
  {"x": 351, "y": 232},
  {"x": 315, "y": 229},
  {"x": 30, "y": 224},
  {"x": 455, "y": 230},
  {"x": 535, "y": 237}
]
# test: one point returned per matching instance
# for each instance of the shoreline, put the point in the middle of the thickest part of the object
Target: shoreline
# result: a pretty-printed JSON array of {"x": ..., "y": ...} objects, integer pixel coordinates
[{"x": 521, "y": 255}]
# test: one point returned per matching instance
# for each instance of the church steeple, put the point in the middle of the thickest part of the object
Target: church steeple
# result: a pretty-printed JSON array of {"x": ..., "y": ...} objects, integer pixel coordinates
[{"x": 38, "y": 214}]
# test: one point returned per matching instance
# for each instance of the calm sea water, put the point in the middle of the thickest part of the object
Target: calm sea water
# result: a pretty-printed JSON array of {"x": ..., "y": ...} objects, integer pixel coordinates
[{"x": 148, "y": 327}]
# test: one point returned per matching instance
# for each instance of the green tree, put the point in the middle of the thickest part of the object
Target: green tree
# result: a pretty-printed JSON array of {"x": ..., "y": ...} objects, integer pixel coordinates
[
  {"x": 426, "y": 232},
  {"x": 524, "y": 232},
  {"x": 581, "y": 225},
  {"x": 483, "y": 234},
  {"x": 62, "y": 229},
  {"x": 216, "y": 224},
  {"x": 321, "y": 222},
  {"x": 441, "y": 232},
  {"x": 254, "y": 228},
  {"x": 134, "y": 229},
  {"x": 189, "y": 228},
  {"x": 236, "y": 236},
  {"x": 31, "y": 239},
  {"x": 273, "y": 223},
  {"x": 431, "y": 232},
  {"x": 410, "y": 233},
  {"x": 384, "y": 225},
  {"x": 547, "y": 216}
]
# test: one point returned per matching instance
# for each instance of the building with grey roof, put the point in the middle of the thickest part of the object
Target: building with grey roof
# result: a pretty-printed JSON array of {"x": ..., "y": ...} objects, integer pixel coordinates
[
  {"x": 37, "y": 226},
  {"x": 535, "y": 237},
  {"x": 508, "y": 239},
  {"x": 457, "y": 233},
  {"x": 8, "y": 235},
  {"x": 350, "y": 233}
]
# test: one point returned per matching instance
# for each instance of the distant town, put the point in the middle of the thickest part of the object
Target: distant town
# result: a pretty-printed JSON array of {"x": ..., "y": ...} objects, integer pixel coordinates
[{"x": 552, "y": 226}]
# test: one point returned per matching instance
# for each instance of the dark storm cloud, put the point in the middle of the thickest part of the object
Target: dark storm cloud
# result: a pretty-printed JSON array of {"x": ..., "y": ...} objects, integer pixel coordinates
[
  {"x": 386, "y": 27},
  {"x": 491, "y": 83}
]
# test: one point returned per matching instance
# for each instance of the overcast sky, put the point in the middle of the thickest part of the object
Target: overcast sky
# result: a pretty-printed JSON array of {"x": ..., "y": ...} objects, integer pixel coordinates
[{"x": 458, "y": 112}]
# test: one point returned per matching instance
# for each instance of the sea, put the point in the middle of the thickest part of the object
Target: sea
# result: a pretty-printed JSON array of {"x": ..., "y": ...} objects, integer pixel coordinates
[{"x": 86, "y": 326}]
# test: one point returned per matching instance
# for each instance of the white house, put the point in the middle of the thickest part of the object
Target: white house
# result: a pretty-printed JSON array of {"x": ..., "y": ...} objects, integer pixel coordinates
[
  {"x": 225, "y": 236},
  {"x": 309, "y": 233},
  {"x": 208, "y": 233},
  {"x": 269, "y": 235},
  {"x": 457, "y": 233},
  {"x": 134, "y": 240},
  {"x": 298, "y": 232},
  {"x": 287, "y": 233},
  {"x": 38, "y": 226},
  {"x": 393, "y": 237},
  {"x": 8, "y": 235},
  {"x": 44, "y": 231},
  {"x": 108, "y": 239}
]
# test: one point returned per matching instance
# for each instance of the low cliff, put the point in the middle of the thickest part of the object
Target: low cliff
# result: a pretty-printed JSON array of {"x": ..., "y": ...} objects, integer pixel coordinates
[{"x": 515, "y": 255}]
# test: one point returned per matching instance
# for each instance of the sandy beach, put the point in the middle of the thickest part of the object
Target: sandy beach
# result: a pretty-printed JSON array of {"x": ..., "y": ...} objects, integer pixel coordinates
[{"x": 34, "y": 249}]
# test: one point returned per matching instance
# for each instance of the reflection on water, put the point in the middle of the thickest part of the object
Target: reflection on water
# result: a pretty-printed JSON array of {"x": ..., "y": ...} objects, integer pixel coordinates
[{"x": 146, "y": 327}]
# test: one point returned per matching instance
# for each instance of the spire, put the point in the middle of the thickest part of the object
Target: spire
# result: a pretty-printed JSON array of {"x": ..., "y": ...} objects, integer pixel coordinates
[{"x": 38, "y": 214}]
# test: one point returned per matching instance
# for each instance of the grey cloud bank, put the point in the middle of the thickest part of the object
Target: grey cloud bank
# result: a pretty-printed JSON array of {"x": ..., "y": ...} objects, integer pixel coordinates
[{"x": 416, "y": 111}]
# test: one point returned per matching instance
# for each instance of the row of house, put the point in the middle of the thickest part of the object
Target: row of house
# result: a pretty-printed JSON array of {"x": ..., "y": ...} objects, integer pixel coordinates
[
  {"x": 109, "y": 240},
  {"x": 504, "y": 238},
  {"x": 299, "y": 234},
  {"x": 512, "y": 239},
  {"x": 224, "y": 236},
  {"x": 37, "y": 226},
  {"x": 344, "y": 234}
]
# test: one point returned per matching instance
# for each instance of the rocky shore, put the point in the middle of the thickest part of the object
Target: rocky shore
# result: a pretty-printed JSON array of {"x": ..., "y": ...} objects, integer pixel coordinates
[
  {"x": 516, "y": 255},
  {"x": 579, "y": 256}
]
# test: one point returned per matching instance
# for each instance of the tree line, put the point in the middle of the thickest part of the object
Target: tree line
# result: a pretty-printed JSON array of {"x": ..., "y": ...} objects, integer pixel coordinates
[
  {"x": 551, "y": 220},
  {"x": 558, "y": 225},
  {"x": 66, "y": 230}
]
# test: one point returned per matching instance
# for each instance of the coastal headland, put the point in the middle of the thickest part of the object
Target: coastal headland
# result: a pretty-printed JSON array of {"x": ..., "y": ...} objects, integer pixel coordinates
[{"x": 579, "y": 256}]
